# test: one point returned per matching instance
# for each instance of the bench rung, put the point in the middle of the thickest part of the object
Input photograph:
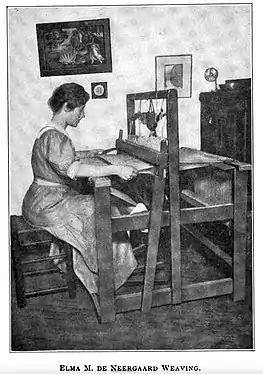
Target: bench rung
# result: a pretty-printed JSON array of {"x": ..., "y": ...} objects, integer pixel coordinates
[
  {"x": 41, "y": 259},
  {"x": 27, "y": 244},
  {"x": 49, "y": 291},
  {"x": 41, "y": 272}
]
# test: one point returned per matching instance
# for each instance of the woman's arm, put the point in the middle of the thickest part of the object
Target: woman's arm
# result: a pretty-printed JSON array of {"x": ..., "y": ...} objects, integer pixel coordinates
[
  {"x": 125, "y": 172},
  {"x": 88, "y": 153}
]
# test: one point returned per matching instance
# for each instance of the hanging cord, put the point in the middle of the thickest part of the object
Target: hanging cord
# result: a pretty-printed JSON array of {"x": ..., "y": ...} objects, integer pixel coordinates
[
  {"x": 156, "y": 102},
  {"x": 140, "y": 107},
  {"x": 139, "y": 112},
  {"x": 151, "y": 106},
  {"x": 161, "y": 114}
]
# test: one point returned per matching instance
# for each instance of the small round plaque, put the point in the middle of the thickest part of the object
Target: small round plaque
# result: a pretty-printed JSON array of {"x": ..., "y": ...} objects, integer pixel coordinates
[{"x": 99, "y": 90}]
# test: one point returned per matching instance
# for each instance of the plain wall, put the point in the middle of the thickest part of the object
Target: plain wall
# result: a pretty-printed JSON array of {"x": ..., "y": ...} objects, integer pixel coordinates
[{"x": 215, "y": 35}]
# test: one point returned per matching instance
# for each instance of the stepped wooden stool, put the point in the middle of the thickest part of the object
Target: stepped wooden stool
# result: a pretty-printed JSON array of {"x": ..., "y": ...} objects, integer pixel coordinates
[{"x": 27, "y": 239}]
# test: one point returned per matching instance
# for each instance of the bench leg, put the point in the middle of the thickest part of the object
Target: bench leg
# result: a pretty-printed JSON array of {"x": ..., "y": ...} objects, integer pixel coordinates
[
  {"x": 18, "y": 272},
  {"x": 70, "y": 276}
]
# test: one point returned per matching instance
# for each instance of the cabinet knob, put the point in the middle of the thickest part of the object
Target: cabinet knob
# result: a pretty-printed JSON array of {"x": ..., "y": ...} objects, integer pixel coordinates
[{"x": 210, "y": 121}]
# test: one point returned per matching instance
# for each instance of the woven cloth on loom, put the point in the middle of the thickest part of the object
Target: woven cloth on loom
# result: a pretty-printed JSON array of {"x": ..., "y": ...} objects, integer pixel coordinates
[
  {"x": 125, "y": 160},
  {"x": 193, "y": 158}
]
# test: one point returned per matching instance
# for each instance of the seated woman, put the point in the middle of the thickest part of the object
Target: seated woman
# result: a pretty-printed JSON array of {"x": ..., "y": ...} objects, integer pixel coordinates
[{"x": 51, "y": 203}]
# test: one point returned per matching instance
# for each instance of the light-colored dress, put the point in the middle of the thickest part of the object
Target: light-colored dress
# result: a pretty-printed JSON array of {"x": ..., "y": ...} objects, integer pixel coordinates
[{"x": 52, "y": 204}]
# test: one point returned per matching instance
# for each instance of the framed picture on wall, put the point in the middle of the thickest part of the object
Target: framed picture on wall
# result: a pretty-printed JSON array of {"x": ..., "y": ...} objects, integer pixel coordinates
[
  {"x": 174, "y": 72},
  {"x": 78, "y": 47}
]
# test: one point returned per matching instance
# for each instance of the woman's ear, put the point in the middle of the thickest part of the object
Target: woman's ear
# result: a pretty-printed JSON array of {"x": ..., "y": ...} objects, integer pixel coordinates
[{"x": 65, "y": 107}]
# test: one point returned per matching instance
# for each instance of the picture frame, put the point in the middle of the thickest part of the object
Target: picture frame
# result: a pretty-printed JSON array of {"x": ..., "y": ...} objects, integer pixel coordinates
[
  {"x": 174, "y": 72},
  {"x": 99, "y": 90},
  {"x": 77, "y": 47}
]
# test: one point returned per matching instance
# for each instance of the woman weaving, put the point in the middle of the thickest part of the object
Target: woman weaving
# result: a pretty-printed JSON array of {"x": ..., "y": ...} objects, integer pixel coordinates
[{"x": 52, "y": 204}]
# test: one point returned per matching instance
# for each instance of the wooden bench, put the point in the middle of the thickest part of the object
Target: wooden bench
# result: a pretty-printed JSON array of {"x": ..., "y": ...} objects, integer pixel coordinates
[{"x": 27, "y": 251}]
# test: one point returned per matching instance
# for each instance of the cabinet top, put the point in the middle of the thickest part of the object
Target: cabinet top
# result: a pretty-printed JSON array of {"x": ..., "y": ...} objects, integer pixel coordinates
[
  {"x": 234, "y": 88},
  {"x": 225, "y": 95}
]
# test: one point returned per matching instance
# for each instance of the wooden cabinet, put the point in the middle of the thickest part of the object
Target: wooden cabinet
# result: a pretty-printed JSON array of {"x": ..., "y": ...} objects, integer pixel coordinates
[{"x": 226, "y": 120}]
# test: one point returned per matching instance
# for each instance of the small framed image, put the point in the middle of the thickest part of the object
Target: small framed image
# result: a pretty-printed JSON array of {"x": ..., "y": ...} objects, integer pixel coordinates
[
  {"x": 174, "y": 72},
  {"x": 99, "y": 90},
  {"x": 77, "y": 47}
]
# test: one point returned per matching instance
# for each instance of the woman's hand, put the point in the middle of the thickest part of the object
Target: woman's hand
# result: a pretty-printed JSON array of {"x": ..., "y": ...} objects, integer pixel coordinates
[{"x": 127, "y": 172}]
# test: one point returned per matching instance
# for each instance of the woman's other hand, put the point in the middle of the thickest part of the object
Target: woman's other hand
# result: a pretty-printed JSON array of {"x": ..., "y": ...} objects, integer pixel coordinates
[{"x": 127, "y": 172}]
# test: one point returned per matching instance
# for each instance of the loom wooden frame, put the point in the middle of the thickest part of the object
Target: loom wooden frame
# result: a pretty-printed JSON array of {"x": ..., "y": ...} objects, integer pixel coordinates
[{"x": 108, "y": 303}]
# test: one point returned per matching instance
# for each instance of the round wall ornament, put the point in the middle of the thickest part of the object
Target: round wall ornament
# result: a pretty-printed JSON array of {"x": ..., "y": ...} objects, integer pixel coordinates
[{"x": 211, "y": 75}]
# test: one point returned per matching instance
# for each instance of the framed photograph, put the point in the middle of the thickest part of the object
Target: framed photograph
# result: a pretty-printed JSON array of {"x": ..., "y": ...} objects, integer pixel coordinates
[
  {"x": 174, "y": 72},
  {"x": 99, "y": 90},
  {"x": 78, "y": 47}
]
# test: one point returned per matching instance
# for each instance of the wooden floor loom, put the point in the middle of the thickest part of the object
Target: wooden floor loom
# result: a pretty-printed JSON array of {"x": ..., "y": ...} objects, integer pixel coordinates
[{"x": 216, "y": 190}]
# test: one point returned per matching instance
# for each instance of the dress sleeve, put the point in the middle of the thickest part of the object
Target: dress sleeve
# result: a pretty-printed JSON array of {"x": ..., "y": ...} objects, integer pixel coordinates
[{"x": 61, "y": 154}]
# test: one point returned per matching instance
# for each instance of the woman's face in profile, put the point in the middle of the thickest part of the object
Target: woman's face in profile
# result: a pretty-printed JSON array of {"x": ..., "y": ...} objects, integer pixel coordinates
[{"x": 75, "y": 116}]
